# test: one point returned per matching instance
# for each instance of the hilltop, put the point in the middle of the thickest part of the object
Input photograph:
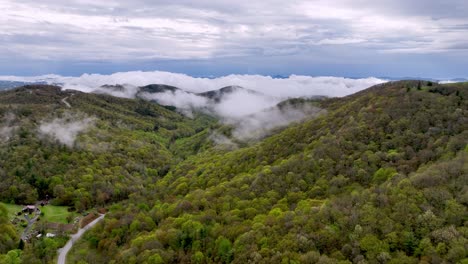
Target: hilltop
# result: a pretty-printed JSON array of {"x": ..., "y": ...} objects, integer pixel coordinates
[
  {"x": 158, "y": 88},
  {"x": 220, "y": 94}
]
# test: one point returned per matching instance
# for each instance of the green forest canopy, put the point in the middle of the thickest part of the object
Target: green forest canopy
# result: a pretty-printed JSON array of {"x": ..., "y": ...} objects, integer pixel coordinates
[{"x": 380, "y": 178}]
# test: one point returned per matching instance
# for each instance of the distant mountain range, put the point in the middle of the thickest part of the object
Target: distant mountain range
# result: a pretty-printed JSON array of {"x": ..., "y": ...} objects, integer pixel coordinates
[
  {"x": 160, "y": 88},
  {"x": 425, "y": 78},
  {"x": 5, "y": 85},
  {"x": 215, "y": 95}
]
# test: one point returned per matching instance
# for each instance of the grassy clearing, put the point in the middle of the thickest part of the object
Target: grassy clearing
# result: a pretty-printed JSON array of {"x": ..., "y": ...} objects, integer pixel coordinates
[
  {"x": 12, "y": 209},
  {"x": 55, "y": 214},
  {"x": 52, "y": 213}
]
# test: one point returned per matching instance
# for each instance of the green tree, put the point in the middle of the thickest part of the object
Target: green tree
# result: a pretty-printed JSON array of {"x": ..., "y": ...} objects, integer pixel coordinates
[
  {"x": 8, "y": 235},
  {"x": 155, "y": 259},
  {"x": 224, "y": 249},
  {"x": 372, "y": 246},
  {"x": 12, "y": 257}
]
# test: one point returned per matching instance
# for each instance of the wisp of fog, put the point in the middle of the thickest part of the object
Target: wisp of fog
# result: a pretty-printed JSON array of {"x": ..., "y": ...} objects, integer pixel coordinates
[
  {"x": 6, "y": 127},
  {"x": 65, "y": 129}
]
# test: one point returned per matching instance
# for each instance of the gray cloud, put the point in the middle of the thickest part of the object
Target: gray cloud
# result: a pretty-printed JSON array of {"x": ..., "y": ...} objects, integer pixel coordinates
[
  {"x": 147, "y": 30},
  {"x": 222, "y": 140}
]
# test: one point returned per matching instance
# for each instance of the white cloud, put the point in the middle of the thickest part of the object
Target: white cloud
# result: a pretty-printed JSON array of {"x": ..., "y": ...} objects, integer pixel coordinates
[
  {"x": 293, "y": 86},
  {"x": 180, "y": 99},
  {"x": 258, "y": 124},
  {"x": 243, "y": 103},
  {"x": 222, "y": 140},
  {"x": 65, "y": 129},
  {"x": 452, "y": 81},
  {"x": 252, "y": 111}
]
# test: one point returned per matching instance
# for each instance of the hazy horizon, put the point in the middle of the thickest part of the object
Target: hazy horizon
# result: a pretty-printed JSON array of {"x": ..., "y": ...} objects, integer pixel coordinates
[{"x": 9, "y": 77}]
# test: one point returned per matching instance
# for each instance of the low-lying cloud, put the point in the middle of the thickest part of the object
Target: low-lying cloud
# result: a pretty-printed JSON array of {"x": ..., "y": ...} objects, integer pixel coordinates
[
  {"x": 251, "y": 107},
  {"x": 257, "y": 125},
  {"x": 65, "y": 129},
  {"x": 222, "y": 140},
  {"x": 6, "y": 127},
  {"x": 180, "y": 99},
  {"x": 243, "y": 102},
  {"x": 293, "y": 86}
]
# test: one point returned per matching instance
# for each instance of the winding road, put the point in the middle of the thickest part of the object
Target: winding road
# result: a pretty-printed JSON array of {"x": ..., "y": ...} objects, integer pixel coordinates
[
  {"x": 62, "y": 258},
  {"x": 64, "y": 100}
]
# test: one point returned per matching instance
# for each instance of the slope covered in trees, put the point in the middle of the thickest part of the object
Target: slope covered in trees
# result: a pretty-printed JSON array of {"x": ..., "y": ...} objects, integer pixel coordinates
[
  {"x": 95, "y": 150},
  {"x": 380, "y": 177}
]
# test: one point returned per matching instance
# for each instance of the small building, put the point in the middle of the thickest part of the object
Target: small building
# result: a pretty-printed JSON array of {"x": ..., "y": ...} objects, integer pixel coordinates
[
  {"x": 29, "y": 209},
  {"x": 50, "y": 235}
]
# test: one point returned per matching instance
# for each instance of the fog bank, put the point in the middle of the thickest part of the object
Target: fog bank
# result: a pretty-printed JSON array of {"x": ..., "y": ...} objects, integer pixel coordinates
[{"x": 248, "y": 103}]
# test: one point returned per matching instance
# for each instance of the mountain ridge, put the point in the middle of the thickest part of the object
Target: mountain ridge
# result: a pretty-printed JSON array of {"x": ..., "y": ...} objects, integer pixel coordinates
[{"x": 219, "y": 94}]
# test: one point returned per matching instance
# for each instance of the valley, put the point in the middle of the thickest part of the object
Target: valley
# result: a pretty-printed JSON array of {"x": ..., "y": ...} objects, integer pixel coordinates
[{"x": 377, "y": 176}]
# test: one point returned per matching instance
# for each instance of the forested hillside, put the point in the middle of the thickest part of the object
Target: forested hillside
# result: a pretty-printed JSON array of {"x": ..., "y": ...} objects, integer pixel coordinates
[
  {"x": 84, "y": 149},
  {"x": 379, "y": 177}
]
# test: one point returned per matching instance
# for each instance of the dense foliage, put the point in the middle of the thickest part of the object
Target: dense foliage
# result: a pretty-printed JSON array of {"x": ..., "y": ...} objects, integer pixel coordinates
[
  {"x": 8, "y": 237},
  {"x": 126, "y": 147},
  {"x": 380, "y": 178}
]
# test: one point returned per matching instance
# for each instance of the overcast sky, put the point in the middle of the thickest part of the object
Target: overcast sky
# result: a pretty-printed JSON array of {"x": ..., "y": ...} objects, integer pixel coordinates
[{"x": 352, "y": 38}]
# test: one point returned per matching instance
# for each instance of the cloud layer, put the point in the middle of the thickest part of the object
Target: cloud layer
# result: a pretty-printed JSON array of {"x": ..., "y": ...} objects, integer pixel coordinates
[
  {"x": 293, "y": 86},
  {"x": 260, "y": 123},
  {"x": 251, "y": 107},
  {"x": 178, "y": 30},
  {"x": 316, "y": 32}
]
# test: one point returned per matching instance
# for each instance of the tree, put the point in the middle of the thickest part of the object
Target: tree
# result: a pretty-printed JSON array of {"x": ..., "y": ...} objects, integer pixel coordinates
[
  {"x": 21, "y": 244},
  {"x": 198, "y": 257},
  {"x": 373, "y": 246},
  {"x": 155, "y": 259},
  {"x": 383, "y": 174},
  {"x": 12, "y": 257},
  {"x": 8, "y": 235},
  {"x": 224, "y": 249}
]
